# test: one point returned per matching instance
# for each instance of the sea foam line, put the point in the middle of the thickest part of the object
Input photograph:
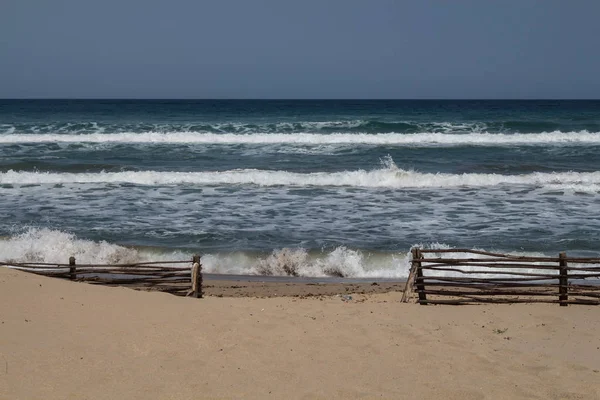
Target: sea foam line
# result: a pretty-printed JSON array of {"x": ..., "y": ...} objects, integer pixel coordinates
[
  {"x": 54, "y": 246},
  {"x": 388, "y": 177},
  {"x": 391, "y": 139}
]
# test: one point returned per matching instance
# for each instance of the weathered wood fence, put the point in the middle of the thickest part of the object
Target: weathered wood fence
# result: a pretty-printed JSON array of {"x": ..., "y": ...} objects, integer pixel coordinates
[
  {"x": 472, "y": 276},
  {"x": 165, "y": 276},
  {"x": 441, "y": 276}
]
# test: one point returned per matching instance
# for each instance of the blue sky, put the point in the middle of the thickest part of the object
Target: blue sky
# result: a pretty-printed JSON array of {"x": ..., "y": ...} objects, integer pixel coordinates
[{"x": 299, "y": 49}]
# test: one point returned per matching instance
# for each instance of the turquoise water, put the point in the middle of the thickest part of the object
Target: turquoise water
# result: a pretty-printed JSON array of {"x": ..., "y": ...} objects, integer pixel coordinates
[{"x": 350, "y": 185}]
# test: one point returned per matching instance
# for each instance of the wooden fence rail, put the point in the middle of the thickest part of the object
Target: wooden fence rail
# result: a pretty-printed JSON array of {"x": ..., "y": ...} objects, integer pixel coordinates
[
  {"x": 440, "y": 277},
  {"x": 448, "y": 276},
  {"x": 165, "y": 276}
]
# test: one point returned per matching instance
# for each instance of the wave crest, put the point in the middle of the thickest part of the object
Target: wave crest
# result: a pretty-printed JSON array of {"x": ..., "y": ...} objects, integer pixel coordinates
[
  {"x": 53, "y": 246},
  {"x": 389, "y": 176},
  {"x": 424, "y": 139}
]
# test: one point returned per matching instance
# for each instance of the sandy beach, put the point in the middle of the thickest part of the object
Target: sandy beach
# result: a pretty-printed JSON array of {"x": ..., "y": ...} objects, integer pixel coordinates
[
  {"x": 295, "y": 287},
  {"x": 67, "y": 340}
]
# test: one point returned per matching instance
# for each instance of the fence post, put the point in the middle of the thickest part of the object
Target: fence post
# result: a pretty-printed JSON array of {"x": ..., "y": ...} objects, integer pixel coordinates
[
  {"x": 420, "y": 283},
  {"x": 196, "y": 277},
  {"x": 563, "y": 280},
  {"x": 410, "y": 280},
  {"x": 72, "y": 269}
]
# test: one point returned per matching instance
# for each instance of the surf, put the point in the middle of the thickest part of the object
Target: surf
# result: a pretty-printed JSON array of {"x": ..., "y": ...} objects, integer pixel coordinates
[
  {"x": 387, "y": 177},
  {"x": 430, "y": 139}
]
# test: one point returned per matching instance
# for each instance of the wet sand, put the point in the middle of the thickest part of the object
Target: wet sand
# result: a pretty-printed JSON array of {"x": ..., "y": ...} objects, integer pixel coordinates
[{"x": 295, "y": 287}]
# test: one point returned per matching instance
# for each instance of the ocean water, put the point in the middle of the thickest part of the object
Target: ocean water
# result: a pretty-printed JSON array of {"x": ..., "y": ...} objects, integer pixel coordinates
[{"x": 314, "y": 187}]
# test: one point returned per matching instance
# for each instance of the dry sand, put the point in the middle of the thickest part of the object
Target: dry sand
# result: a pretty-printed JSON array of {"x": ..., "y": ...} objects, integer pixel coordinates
[{"x": 68, "y": 340}]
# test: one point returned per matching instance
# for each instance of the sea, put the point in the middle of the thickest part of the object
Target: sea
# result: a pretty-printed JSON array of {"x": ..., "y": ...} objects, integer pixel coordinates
[{"x": 296, "y": 187}]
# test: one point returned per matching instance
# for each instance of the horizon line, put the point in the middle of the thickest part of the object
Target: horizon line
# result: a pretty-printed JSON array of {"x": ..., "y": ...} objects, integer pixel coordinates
[{"x": 291, "y": 99}]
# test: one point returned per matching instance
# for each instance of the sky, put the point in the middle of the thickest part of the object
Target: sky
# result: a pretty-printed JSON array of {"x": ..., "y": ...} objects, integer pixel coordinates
[{"x": 361, "y": 49}]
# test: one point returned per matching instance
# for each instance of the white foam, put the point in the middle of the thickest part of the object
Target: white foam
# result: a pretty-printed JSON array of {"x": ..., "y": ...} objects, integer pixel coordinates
[
  {"x": 387, "y": 139},
  {"x": 239, "y": 127},
  {"x": 339, "y": 262},
  {"x": 53, "y": 246},
  {"x": 7, "y": 129},
  {"x": 390, "y": 176}
]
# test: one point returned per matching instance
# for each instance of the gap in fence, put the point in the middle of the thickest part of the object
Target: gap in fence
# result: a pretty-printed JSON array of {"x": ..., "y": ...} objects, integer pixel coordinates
[{"x": 484, "y": 278}]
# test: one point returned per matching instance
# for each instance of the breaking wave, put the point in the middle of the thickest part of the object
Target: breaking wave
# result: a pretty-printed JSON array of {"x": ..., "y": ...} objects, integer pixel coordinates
[
  {"x": 425, "y": 139},
  {"x": 52, "y": 246},
  {"x": 389, "y": 176}
]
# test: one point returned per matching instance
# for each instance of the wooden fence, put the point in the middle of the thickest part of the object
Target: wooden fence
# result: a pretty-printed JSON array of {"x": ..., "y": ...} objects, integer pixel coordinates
[
  {"x": 165, "y": 276},
  {"x": 442, "y": 276},
  {"x": 474, "y": 276}
]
